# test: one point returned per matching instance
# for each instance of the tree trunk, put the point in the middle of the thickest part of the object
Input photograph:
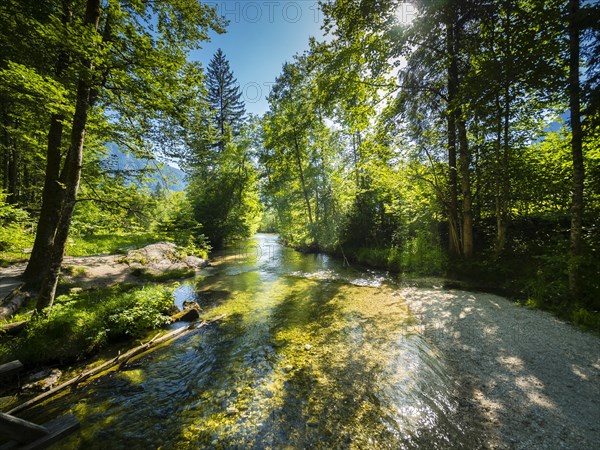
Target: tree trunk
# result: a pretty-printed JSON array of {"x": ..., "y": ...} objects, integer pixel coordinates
[
  {"x": 453, "y": 228},
  {"x": 301, "y": 172},
  {"x": 5, "y": 160},
  {"x": 52, "y": 194},
  {"x": 13, "y": 176},
  {"x": 71, "y": 171},
  {"x": 465, "y": 176},
  {"x": 505, "y": 188},
  {"x": 356, "y": 158},
  {"x": 498, "y": 178},
  {"x": 577, "y": 205}
]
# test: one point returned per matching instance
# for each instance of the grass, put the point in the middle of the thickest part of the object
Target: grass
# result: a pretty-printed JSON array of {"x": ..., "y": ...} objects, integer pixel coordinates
[
  {"x": 108, "y": 244},
  {"x": 98, "y": 244},
  {"x": 164, "y": 276},
  {"x": 589, "y": 320},
  {"x": 14, "y": 244},
  {"x": 80, "y": 324},
  {"x": 411, "y": 259}
]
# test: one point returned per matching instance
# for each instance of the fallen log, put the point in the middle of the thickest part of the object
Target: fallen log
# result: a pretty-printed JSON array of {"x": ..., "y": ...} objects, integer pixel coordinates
[
  {"x": 20, "y": 430},
  {"x": 12, "y": 293},
  {"x": 12, "y": 302},
  {"x": 120, "y": 359},
  {"x": 13, "y": 328},
  {"x": 10, "y": 368},
  {"x": 35, "y": 436},
  {"x": 187, "y": 315}
]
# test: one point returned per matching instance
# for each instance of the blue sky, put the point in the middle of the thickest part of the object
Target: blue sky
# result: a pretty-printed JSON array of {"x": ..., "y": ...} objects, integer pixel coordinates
[{"x": 261, "y": 36}]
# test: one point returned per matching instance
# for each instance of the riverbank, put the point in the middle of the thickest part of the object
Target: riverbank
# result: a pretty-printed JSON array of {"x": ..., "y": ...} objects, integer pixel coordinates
[
  {"x": 102, "y": 301},
  {"x": 316, "y": 354},
  {"x": 525, "y": 378},
  {"x": 520, "y": 278}
]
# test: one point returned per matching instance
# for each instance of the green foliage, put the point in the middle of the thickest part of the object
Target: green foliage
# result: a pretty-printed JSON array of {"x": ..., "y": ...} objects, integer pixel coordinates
[
  {"x": 420, "y": 255},
  {"x": 173, "y": 274},
  {"x": 356, "y": 149},
  {"x": 15, "y": 231},
  {"x": 111, "y": 243},
  {"x": 139, "y": 311},
  {"x": 81, "y": 324},
  {"x": 224, "y": 196},
  {"x": 586, "y": 318},
  {"x": 175, "y": 218},
  {"x": 268, "y": 222}
]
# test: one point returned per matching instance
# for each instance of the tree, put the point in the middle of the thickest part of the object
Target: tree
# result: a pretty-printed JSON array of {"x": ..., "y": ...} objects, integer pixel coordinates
[
  {"x": 110, "y": 57},
  {"x": 577, "y": 205},
  {"x": 225, "y": 98},
  {"x": 224, "y": 195},
  {"x": 220, "y": 165}
]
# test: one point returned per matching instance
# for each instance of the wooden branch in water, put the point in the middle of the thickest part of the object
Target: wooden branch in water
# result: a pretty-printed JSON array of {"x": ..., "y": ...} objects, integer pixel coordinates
[
  {"x": 54, "y": 430},
  {"x": 20, "y": 430},
  {"x": 119, "y": 359}
]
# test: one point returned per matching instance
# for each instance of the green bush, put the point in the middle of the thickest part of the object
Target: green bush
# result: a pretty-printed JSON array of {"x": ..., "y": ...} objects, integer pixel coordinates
[
  {"x": 14, "y": 235},
  {"x": 138, "y": 311},
  {"x": 586, "y": 318},
  {"x": 80, "y": 324}
]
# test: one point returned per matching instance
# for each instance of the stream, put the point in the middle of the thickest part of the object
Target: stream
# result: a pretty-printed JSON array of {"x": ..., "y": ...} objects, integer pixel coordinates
[{"x": 311, "y": 354}]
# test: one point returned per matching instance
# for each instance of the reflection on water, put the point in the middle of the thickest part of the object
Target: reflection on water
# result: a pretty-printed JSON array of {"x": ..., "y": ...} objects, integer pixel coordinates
[{"x": 311, "y": 354}]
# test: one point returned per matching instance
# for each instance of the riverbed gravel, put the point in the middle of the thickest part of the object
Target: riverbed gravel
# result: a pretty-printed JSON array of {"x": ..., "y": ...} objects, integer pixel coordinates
[{"x": 524, "y": 379}]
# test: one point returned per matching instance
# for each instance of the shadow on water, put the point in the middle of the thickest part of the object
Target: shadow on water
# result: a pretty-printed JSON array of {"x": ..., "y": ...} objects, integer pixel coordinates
[{"x": 304, "y": 359}]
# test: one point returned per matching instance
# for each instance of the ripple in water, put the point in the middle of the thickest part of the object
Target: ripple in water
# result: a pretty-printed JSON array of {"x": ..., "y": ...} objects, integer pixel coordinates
[{"x": 310, "y": 355}]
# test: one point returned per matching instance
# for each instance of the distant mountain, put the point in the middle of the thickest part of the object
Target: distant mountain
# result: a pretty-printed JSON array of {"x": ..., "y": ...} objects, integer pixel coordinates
[{"x": 168, "y": 177}]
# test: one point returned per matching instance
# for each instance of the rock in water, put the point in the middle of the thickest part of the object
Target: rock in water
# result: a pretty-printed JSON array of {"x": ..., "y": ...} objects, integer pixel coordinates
[
  {"x": 188, "y": 315},
  {"x": 187, "y": 304},
  {"x": 193, "y": 262},
  {"x": 48, "y": 379}
]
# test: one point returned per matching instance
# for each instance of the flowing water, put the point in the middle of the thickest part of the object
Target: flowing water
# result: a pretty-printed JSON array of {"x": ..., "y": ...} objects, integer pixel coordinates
[{"x": 310, "y": 355}]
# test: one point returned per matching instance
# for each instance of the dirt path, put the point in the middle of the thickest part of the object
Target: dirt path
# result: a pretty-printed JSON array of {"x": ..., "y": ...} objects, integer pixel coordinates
[
  {"x": 88, "y": 271},
  {"x": 525, "y": 379},
  {"x": 9, "y": 279},
  {"x": 108, "y": 270}
]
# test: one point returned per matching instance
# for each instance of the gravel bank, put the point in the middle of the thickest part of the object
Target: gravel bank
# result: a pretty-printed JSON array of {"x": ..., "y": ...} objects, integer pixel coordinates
[{"x": 525, "y": 379}]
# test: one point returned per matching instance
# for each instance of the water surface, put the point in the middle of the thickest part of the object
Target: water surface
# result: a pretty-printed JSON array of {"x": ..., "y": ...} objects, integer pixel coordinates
[{"x": 310, "y": 355}]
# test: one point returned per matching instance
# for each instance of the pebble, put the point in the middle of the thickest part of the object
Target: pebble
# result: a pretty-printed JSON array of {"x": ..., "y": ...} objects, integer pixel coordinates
[
  {"x": 307, "y": 347},
  {"x": 231, "y": 410}
]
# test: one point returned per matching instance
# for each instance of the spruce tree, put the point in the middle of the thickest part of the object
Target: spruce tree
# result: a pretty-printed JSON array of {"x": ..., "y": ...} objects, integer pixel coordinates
[{"x": 225, "y": 98}]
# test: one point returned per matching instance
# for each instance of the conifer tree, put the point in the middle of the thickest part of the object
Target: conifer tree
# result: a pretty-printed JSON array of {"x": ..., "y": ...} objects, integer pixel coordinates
[{"x": 225, "y": 98}]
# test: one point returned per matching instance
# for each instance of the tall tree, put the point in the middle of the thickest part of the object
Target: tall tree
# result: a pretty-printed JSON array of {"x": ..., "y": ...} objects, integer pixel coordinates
[
  {"x": 72, "y": 168},
  {"x": 52, "y": 192},
  {"x": 112, "y": 48},
  {"x": 225, "y": 98},
  {"x": 577, "y": 205}
]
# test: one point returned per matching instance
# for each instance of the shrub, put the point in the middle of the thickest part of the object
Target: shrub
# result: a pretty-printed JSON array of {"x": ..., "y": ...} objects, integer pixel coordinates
[
  {"x": 81, "y": 324},
  {"x": 14, "y": 237}
]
